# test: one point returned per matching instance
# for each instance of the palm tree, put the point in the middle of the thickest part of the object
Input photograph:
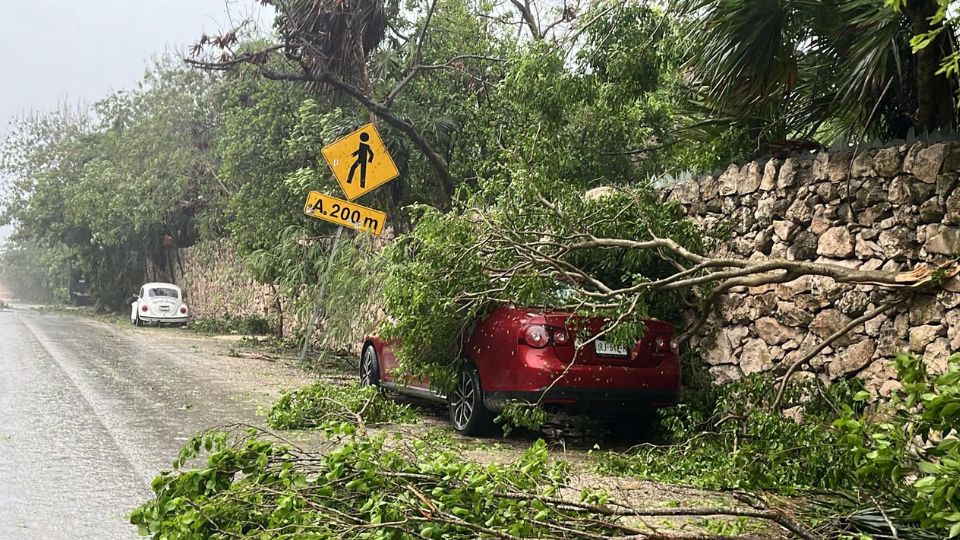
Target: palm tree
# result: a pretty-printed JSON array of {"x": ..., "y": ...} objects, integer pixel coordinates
[
  {"x": 816, "y": 69},
  {"x": 334, "y": 36}
]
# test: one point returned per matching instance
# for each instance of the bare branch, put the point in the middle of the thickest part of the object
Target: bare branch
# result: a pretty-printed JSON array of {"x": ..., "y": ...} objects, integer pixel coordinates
[
  {"x": 870, "y": 315},
  {"x": 526, "y": 12}
]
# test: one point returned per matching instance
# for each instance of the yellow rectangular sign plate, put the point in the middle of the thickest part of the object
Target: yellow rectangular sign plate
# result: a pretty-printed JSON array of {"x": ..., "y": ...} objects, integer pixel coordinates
[
  {"x": 360, "y": 161},
  {"x": 344, "y": 213}
]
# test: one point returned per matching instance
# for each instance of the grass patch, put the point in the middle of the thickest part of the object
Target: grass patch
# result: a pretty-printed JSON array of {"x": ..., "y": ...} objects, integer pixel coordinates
[
  {"x": 322, "y": 403},
  {"x": 254, "y": 325}
]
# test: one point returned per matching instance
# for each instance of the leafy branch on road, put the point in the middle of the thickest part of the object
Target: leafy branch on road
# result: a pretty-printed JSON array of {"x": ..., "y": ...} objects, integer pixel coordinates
[
  {"x": 322, "y": 402},
  {"x": 248, "y": 484}
]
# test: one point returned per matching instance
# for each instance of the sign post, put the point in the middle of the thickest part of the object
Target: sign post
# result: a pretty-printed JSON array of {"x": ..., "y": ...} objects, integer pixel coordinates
[
  {"x": 315, "y": 312},
  {"x": 361, "y": 163}
]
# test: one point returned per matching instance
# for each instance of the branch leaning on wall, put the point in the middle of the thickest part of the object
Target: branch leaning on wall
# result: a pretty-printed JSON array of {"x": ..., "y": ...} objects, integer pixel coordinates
[{"x": 707, "y": 278}]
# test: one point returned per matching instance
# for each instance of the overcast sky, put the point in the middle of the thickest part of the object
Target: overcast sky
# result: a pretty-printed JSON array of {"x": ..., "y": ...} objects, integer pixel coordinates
[
  {"x": 81, "y": 50},
  {"x": 78, "y": 51}
]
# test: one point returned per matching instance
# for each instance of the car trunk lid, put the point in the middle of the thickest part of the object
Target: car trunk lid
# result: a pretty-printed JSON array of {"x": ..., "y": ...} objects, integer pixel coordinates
[
  {"x": 164, "y": 305},
  {"x": 650, "y": 350}
]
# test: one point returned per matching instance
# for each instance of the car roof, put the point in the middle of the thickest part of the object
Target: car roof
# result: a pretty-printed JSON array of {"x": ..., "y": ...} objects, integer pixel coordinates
[{"x": 157, "y": 284}]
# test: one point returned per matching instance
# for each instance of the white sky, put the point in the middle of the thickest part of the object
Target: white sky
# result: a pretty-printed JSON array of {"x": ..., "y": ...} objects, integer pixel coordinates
[{"x": 78, "y": 51}]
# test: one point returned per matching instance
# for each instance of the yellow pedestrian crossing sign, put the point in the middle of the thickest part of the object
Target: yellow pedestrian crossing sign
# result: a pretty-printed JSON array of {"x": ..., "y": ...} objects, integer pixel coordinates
[{"x": 360, "y": 162}]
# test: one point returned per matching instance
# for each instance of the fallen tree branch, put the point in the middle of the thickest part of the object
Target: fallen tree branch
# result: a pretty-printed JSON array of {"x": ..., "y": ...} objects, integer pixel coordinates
[{"x": 623, "y": 510}]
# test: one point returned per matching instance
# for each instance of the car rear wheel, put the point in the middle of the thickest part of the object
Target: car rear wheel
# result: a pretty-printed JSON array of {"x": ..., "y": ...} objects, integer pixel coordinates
[
  {"x": 369, "y": 367},
  {"x": 467, "y": 413},
  {"x": 138, "y": 321}
]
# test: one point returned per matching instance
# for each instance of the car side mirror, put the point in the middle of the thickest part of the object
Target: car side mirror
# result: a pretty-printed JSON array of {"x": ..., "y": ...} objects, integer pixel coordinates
[{"x": 134, "y": 298}]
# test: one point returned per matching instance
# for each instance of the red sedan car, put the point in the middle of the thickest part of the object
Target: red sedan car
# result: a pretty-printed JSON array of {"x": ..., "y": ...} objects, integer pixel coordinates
[{"x": 523, "y": 354}]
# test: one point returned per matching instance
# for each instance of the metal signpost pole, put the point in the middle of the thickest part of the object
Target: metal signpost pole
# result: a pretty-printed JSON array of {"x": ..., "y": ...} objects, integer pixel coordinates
[{"x": 312, "y": 321}]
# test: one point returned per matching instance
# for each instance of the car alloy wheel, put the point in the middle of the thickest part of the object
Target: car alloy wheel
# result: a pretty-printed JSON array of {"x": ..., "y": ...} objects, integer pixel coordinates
[
  {"x": 369, "y": 368},
  {"x": 467, "y": 412}
]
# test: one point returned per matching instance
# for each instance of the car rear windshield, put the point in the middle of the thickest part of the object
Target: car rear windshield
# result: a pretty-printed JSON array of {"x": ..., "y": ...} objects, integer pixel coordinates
[{"x": 161, "y": 291}]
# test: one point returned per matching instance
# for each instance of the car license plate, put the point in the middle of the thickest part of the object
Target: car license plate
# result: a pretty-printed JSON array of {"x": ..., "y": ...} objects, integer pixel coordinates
[
  {"x": 164, "y": 308},
  {"x": 606, "y": 349}
]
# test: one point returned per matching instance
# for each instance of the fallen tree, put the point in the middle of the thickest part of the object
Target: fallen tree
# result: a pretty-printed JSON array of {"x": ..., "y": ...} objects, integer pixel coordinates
[
  {"x": 253, "y": 484},
  {"x": 622, "y": 254}
]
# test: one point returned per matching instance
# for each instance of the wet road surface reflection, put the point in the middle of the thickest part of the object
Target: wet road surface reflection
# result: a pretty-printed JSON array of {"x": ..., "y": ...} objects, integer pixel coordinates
[{"x": 89, "y": 414}]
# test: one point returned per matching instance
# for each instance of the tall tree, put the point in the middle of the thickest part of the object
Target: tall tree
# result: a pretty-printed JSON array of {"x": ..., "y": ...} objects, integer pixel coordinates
[{"x": 118, "y": 184}]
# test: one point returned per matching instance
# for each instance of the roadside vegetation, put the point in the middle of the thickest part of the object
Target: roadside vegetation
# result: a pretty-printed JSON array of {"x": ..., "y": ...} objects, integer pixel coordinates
[
  {"x": 323, "y": 403},
  {"x": 861, "y": 467},
  {"x": 247, "y": 326},
  {"x": 251, "y": 485},
  {"x": 531, "y": 139}
]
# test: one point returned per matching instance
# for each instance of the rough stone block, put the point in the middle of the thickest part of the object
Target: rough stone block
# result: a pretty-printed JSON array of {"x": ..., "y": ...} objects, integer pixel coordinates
[
  {"x": 756, "y": 357},
  {"x": 709, "y": 188},
  {"x": 887, "y": 162},
  {"x": 769, "y": 180},
  {"x": 931, "y": 211},
  {"x": 787, "y": 176},
  {"x": 945, "y": 242},
  {"x": 828, "y": 322},
  {"x": 854, "y": 358},
  {"x": 921, "y": 336},
  {"x": 773, "y": 333},
  {"x": 751, "y": 177},
  {"x": 730, "y": 181},
  {"x": 936, "y": 355},
  {"x": 952, "y": 208},
  {"x": 862, "y": 165},
  {"x": 925, "y": 162},
  {"x": 836, "y": 242},
  {"x": 686, "y": 193}
]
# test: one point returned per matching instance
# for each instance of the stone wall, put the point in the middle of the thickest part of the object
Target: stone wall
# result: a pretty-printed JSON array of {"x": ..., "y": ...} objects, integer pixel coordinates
[
  {"x": 894, "y": 209},
  {"x": 218, "y": 286}
]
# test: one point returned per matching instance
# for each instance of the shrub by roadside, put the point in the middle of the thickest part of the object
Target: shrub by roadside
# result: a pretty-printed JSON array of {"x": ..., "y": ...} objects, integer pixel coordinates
[{"x": 250, "y": 325}]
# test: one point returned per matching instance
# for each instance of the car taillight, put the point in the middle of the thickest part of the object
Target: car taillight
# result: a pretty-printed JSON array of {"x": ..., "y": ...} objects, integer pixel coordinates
[
  {"x": 539, "y": 336},
  {"x": 536, "y": 336},
  {"x": 663, "y": 345},
  {"x": 144, "y": 308},
  {"x": 560, "y": 336},
  {"x": 183, "y": 309}
]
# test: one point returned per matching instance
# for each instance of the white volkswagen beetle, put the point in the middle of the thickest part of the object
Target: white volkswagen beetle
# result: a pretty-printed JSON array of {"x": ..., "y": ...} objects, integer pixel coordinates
[{"x": 159, "y": 303}]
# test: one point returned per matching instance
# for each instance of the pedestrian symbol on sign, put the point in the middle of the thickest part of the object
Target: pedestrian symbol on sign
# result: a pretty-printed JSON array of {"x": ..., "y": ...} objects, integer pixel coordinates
[
  {"x": 360, "y": 162},
  {"x": 364, "y": 155}
]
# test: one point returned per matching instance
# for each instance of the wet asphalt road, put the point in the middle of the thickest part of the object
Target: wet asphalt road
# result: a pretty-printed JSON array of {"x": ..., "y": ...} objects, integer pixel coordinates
[{"x": 89, "y": 414}]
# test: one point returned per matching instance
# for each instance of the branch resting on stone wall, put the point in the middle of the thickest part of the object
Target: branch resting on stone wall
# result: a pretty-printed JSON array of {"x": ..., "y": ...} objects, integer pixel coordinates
[
  {"x": 729, "y": 273},
  {"x": 550, "y": 255},
  {"x": 815, "y": 350}
]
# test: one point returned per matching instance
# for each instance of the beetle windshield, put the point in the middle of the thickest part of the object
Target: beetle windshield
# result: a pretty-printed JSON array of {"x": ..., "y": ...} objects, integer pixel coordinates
[{"x": 163, "y": 291}]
